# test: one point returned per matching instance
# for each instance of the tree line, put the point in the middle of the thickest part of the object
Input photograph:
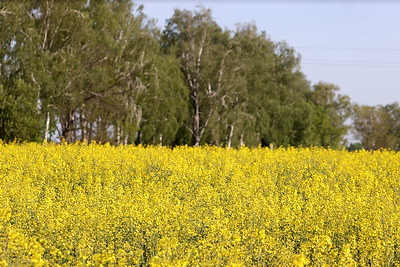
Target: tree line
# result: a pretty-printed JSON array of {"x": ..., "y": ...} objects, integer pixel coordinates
[{"x": 103, "y": 71}]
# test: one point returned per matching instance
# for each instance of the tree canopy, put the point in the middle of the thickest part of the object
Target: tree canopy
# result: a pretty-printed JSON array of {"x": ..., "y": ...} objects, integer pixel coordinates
[{"x": 102, "y": 71}]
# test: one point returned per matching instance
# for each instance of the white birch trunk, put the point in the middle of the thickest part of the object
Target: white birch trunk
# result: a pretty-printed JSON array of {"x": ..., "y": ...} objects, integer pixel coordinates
[
  {"x": 46, "y": 130},
  {"x": 230, "y": 137}
]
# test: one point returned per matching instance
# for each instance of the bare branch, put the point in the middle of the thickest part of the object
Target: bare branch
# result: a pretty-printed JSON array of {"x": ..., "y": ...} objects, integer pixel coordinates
[
  {"x": 203, "y": 40},
  {"x": 4, "y": 12}
]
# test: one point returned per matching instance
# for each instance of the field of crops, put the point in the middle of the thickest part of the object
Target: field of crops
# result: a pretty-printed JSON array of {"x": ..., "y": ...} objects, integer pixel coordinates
[{"x": 93, "y": 205}]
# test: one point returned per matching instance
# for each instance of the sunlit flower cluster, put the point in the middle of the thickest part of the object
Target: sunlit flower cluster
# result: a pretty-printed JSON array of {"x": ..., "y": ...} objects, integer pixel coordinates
[{"x": 94, "y": 205}]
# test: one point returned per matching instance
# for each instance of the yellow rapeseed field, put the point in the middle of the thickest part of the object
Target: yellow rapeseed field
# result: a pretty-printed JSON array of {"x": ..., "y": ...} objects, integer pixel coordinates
[{"x": 99, "y": 205}]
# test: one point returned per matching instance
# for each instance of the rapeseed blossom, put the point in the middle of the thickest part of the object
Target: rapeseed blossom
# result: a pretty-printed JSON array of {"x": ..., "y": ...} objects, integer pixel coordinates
[{"x": 96, "y": 205}]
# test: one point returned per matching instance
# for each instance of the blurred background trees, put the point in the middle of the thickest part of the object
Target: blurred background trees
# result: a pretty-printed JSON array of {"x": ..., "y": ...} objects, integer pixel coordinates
[
  {"x": 102, "y": 71},
  {"x": 377, "y": 127}
]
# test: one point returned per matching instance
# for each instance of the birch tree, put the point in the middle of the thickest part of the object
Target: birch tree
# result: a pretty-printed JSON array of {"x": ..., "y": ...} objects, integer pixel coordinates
[
  {"x": 198, "y": 43},
  {"x": 331, "y": 112}
]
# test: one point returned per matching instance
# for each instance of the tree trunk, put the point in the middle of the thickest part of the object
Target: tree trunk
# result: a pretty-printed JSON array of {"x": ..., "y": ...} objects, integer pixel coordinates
[
  {"x": 230, "y": 137},
  {"x": 84, "y": 127},
  {"x": 118, "y": 134},
  {"x": 241, "y": 140},
  {"x": 67, "y": 127},
  {"x": 46, "y": 130},
  {"x": 196, "y": 120},
  {"x": 126, "y": 139}
]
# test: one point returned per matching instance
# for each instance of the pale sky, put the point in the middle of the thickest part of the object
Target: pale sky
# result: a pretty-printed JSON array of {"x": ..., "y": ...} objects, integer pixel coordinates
[{"x": 353, "y": 44}]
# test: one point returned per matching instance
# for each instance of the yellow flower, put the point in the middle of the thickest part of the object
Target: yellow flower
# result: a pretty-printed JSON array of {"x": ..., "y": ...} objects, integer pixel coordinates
[{"x": 94, "y": 205}]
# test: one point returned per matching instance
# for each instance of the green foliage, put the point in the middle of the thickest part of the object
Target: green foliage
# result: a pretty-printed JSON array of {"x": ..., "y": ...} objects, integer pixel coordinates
[
  {"x": 331, "y": 112},
  {"x": 355, "y": 146},
  {"x": 102, "y": 71},
  {"x": 164, "y": 104},
  {"x": 19, "y": 118},
  {"x": 377, "y": 127}
]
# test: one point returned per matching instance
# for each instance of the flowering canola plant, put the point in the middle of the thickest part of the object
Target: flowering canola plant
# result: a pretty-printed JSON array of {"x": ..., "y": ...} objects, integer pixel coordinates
[{"x": 100, "y": 205}]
